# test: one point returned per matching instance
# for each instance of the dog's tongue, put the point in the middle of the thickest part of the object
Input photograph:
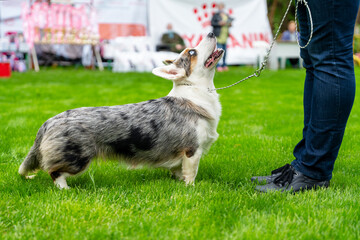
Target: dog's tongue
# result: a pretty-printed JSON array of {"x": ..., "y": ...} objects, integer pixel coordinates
[
  {"x": 212, "y": 57},
  {"x": 209, "y": 61}
]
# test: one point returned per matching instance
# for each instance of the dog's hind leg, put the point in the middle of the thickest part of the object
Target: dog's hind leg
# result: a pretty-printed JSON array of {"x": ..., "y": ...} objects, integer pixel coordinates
[
  {"x": 59, "y": 179},
  {"x": 190, "y": 165},
  {"x": 60, "y": 174},
  {"x": 66, "y": 158}
]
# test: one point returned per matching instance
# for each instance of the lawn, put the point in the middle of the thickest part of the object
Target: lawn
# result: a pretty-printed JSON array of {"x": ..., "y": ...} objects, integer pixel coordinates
[{"x": 260, "y": 124}]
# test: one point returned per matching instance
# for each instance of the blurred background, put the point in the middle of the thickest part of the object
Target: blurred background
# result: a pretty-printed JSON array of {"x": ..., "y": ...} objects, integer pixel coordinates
[{"x": 137, "y": 35}]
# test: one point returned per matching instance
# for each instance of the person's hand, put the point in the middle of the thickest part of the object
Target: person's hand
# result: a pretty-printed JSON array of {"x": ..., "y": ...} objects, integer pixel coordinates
[
  {"x": 222, "y": 23},
  {"x": 178, "y": 46}
]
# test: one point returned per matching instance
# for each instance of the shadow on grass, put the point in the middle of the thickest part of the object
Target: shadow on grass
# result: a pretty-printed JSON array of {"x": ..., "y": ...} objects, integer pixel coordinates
[
  {"x": 106, "y": 176},
  {"x": 109, "y": 175}
]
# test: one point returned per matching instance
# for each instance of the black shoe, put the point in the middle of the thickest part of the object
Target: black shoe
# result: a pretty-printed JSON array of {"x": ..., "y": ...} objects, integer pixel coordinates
[
  {"x": 292, "y": 180},
  {"x": 274, "y": 174}
]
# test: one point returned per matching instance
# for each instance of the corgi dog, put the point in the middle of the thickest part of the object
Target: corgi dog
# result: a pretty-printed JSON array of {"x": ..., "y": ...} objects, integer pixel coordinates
[{"x": 171, "y": 132}]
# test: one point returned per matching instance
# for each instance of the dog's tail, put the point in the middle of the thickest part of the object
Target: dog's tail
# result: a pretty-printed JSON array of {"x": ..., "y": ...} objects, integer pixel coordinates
[
  {"x": 30, "y": 164},
  {"x": 32, "y": 161}
]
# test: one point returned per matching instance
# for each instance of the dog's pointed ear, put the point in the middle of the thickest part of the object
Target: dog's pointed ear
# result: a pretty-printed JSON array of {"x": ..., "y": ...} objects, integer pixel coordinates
[
  {"x": 168, "y": 62},
  {"x": 170, "y": 72}
]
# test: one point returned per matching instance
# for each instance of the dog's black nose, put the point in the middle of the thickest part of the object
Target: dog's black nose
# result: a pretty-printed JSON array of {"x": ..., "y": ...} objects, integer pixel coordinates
[{"x": 211, "y": 35}]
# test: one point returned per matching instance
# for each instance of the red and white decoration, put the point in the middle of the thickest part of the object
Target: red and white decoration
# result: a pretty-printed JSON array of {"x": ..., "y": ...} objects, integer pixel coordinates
[{"x": 122, "y": 18}]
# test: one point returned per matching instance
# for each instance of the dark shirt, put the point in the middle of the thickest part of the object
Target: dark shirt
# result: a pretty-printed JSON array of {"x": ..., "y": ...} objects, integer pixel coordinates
[
  {"x": 215, "y": 23},
  {"x": 172, "y": 39}
]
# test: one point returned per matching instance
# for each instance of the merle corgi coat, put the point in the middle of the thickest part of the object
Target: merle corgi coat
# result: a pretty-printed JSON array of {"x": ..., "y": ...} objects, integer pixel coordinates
[{"x": 170, "y": 132}]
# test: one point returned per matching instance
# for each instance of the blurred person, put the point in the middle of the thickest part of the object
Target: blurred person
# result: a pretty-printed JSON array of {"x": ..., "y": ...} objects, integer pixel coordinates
[
  {"x": 172, "y": 40},
  {"x": 290, "y": 35},
  {"x": 329, "y": 94},
  {"x": 221, "y": 22}
]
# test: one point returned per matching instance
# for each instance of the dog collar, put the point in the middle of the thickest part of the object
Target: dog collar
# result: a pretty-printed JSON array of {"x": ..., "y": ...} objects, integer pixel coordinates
[
  {"x": 185, "y": 84},
  {"x": 190, "y": 85}
]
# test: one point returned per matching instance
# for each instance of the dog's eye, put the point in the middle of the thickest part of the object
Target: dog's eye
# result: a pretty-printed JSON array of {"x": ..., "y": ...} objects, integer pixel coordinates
[{"x": 192, "y": 52}]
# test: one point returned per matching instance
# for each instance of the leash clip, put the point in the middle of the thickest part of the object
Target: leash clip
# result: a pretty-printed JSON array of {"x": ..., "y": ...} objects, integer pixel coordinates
[{"x": 257, "y": 73}]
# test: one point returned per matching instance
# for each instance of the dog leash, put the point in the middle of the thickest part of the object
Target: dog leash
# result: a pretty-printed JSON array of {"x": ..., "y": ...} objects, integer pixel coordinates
[{"x": 266, "y": 58}]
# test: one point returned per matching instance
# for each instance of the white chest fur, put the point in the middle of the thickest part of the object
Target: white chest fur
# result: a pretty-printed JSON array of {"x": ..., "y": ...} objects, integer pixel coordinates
[{"x": 206, "y": 129}]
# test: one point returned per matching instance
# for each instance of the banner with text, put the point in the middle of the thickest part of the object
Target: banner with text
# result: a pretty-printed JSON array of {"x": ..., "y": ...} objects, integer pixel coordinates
[{"x": 192, "y": 20}]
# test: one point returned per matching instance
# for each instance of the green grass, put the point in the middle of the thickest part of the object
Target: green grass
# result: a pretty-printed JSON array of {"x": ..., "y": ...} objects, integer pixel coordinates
[{"x": 260, "y": 124}]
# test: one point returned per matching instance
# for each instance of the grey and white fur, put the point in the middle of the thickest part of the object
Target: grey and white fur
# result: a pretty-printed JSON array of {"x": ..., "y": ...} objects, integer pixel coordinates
[{"x": 170, "y": 132}]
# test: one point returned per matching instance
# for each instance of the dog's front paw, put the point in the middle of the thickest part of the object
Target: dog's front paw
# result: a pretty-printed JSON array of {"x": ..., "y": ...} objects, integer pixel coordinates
[{"x": 189, "y": 182}]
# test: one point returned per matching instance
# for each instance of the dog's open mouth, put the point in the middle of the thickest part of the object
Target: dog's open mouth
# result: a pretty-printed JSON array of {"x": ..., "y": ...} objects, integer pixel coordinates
[{"x": 214, "y": 57}]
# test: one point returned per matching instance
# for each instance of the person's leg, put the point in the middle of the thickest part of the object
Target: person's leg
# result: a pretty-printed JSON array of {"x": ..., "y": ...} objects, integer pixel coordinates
[
  {"x": 309, "y": 78},
  {"x": 333, "y": 87},
  {"x": 308, "y": 91},
  {"x": 294, "y": 62},
  {"x": 328, "y": 96},
  {"x": 219, "y": 65},
  {"x": 224, "y": 57}
]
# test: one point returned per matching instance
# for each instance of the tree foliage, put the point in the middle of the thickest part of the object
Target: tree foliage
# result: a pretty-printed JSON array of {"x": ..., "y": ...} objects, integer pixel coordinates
[{"x": 276, "y": 10}]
